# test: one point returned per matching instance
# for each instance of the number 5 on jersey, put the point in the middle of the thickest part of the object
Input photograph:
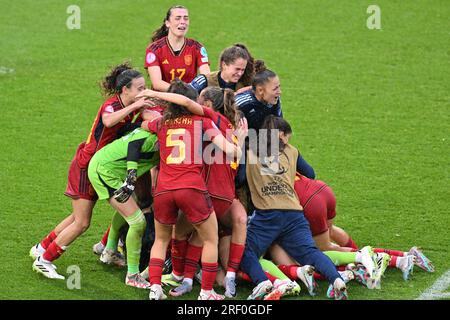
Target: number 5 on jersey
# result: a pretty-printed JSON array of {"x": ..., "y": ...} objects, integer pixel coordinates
[{"x": 171, "y": 159}]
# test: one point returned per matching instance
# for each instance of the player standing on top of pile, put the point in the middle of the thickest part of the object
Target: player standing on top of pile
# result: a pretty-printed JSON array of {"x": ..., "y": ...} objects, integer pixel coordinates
[{"x": 171, "y": 55}]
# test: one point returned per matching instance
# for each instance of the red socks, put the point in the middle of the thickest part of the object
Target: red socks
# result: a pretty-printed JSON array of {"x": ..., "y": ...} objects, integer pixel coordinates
[
  {"x": 48, "y": 240},
  {"x": 393, "y": 262},
  {"x": 318, "y": 276},
  {"x": 290, "y": 271},
  {"x": 105, "y": 236},
  {"x": 178, "y": 253},
  {"x": 351, "y": 244},
  {"x": 155, "y": 268},
  {"x": 193, "y": 255},
  {"x": 390, "y": 252},
  {"x": 245, "y": 277},
  {"x": 271, "y": 277},
  {"x": 209, "y": 272},
  {"x": 234, "y": 259},
  {"x": 53, "y": 252}
]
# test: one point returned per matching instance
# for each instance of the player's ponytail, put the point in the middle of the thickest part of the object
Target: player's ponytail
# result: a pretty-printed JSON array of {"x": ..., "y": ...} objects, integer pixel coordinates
[
  {"x": 120, "y": 76},
  {"x": 174, "y": 110},
  {"x": 259, "y": 66},
  {"x": 222, "y": 101},
  {"x": 263, "y": 76},
  {"x": 163, "y": 31},
  {"x": 229, "y": 106}
]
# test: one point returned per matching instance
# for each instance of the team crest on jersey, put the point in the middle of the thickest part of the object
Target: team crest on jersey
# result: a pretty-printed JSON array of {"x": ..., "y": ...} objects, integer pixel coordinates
[
  {"x": 188, "y": 59},
  {"x": 150, "y": 58}
]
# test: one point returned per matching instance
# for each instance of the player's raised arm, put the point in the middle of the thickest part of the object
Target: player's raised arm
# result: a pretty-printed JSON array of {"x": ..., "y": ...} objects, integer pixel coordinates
[
  {"x": 111, "y": 119},
  {"x": 229, "y": 148},
  {"x": 179, "y": 99}
]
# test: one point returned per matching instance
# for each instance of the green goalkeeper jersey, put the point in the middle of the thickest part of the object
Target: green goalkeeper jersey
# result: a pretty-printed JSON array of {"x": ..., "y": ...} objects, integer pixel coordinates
[{"x": 136, "y": 150}]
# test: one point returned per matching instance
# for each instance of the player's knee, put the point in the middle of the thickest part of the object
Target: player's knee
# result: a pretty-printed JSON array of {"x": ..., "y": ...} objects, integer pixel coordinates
[
  {"x": 82, "y": 225},
  {"x": 140, "y": 225},
  {"x": 325, "y": 247},
  {"x": 242, "y": 220},
  {"x": 211, "y": 239}
]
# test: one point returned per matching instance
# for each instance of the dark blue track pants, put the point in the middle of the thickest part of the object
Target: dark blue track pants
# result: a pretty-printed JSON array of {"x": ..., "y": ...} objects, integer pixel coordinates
[{"x": 290, "y": 230}]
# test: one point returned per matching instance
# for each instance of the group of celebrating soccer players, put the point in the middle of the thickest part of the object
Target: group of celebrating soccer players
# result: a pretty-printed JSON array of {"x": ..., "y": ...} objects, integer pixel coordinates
[{"x": 204, "y": 159}]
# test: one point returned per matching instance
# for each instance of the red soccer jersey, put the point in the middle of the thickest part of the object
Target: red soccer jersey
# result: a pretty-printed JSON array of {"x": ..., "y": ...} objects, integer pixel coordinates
[
  {"x": 183, "y": 66},
  {"x": 220, "y": 176},
  {"x": 101, "y": 135},
  {"x": 180, "y": 150},
  {"x": 306, "y": 188}
]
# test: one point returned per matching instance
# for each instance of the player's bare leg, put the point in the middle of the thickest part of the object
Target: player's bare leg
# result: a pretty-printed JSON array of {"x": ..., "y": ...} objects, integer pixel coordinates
[
  {"x": 208, "y": 233},
  {"x": 39, "y": 248},
  {"x": 82, "y": 213}
]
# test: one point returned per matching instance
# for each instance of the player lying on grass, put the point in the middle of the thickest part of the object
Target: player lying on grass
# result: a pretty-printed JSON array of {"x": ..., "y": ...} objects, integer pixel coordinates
[
  {"x": 320, "y": 209},
  {"x": 113, "y": 172},
  {"x": 317, "y": 209},
  {"x": 279, "y": 215},
  {"x": 218, "y": 105},
  {"x": 122, "y": 84},
  {"x": 180, "y": 186}
]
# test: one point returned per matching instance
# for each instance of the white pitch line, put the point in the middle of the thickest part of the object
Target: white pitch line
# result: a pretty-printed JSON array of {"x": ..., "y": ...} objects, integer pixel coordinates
[
  {"x": 437, "y": 290},
  {"x": 5, "y": 70}
]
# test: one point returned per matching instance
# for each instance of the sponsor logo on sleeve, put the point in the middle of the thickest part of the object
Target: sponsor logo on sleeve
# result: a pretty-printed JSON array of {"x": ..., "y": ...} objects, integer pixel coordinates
[
  {"x": 109, "y": 109},
  {"x": 150, "y": 58},
  {"x": 204, "y": 54}
]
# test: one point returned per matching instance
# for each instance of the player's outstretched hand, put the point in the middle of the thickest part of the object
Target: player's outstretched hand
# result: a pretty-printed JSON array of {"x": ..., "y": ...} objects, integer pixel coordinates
[
  {"x": 142, "y": 103},
  {"x": 126, "y": 190},
  {"x": 147, "y": 93},
  {"x": 242, "y": 129}
]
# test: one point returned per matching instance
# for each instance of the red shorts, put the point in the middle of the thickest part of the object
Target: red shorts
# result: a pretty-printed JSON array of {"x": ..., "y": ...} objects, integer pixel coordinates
[
  {"x": 220, "y": 206},
  {"x": 195, "y": 204},
  {"x": 78, "y": 184},
  {"x": 320, "y": 208}
]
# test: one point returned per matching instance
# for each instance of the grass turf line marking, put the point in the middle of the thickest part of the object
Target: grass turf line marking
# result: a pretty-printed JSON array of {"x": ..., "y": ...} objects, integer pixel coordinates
[
  {"x": 436, "y": 291},
  {"x": 5, "y": 70}
]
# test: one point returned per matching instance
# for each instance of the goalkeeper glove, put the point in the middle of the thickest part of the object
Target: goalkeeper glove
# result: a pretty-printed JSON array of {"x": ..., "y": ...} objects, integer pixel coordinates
[{"x": 126, "y": 190}]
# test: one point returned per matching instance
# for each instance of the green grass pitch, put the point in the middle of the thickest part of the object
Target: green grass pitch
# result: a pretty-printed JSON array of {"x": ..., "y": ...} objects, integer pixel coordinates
[{"x": 370, "y": 111}]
